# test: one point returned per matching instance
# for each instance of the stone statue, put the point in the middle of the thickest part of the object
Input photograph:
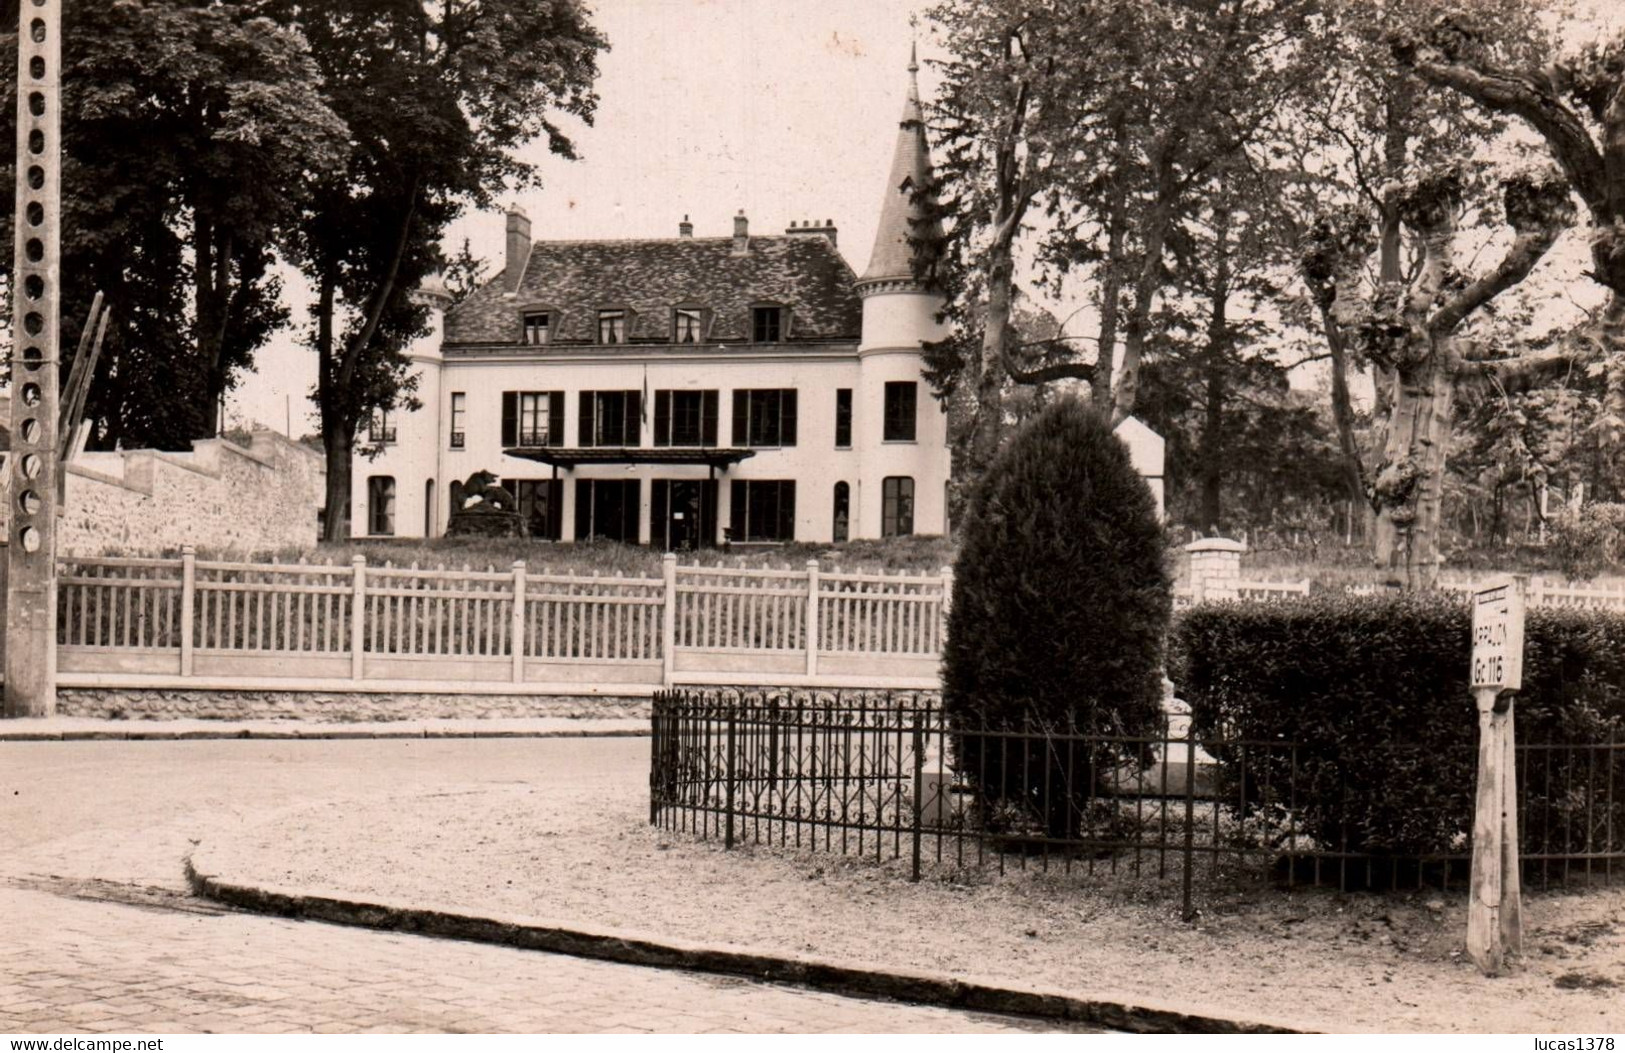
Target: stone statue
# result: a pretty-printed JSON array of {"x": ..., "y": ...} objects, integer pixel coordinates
[
  {"x": 482, "y": 508},
  {"x": 482, "y": 487}
]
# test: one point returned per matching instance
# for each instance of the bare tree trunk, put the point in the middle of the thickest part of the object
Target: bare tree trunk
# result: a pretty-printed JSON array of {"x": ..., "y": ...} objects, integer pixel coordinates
[
  {"x": 1343, "y": 418},
  {"x": 990, "y": 373},
  {"x": 336, "y": 448},
  {"x": 1146, "y": 285},
  {"x": 1410, "y": 485},
  {"x": 1211, "y": 471}
]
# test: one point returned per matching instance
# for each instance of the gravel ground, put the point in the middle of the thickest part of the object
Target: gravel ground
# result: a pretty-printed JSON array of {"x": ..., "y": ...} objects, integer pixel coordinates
[{"x": 1314, "y": 958}]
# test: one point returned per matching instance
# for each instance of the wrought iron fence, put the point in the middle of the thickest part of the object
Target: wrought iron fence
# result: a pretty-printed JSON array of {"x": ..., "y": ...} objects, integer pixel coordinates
[{"x": 889, "y": 777}]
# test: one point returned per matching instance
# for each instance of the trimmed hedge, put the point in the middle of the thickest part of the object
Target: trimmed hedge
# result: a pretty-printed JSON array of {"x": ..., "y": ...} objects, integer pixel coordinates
[{"x": 1373, "y": 691}]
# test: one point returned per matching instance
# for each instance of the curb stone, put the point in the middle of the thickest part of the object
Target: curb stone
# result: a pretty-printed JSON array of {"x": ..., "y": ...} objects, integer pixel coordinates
[
  {"x": 631, "y": 948},
  {"x": 158, "y": 735}
]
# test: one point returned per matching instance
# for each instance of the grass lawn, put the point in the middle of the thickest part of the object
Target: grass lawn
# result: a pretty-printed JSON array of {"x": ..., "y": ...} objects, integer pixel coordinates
[{"x": 927, "y": 554}]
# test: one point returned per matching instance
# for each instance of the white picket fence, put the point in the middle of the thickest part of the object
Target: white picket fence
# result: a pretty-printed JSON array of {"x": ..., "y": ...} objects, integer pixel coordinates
[
  {"x": 1602, "y": 594},
  {"x": 265, "y": 625},
  {"x": 261, "y": 626}
]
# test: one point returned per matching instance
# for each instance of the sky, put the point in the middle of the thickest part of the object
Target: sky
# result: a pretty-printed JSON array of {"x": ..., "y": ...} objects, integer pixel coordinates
[{"x": 786, "y": 109}]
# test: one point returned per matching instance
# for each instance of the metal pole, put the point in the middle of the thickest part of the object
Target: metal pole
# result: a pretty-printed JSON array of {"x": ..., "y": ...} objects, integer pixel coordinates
[
  {"x": 1186, "y": 910},
  {"x": 728, "y": 840},
  {"x": 919, "y": 780},
  {"x": 30, "y": 689}
]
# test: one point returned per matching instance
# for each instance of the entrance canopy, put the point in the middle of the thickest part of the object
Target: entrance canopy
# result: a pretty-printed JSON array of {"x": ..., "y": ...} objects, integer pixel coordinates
[{"x": 575, "y": 456}]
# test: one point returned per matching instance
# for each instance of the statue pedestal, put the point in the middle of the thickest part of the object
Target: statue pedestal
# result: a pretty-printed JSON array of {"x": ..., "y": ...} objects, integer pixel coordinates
[{"x": 481, "y": 521}]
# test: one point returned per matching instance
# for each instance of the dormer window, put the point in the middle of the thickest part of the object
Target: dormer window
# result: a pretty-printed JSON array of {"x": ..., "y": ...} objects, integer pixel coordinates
[
  {"x": 766, "y": 325},
  {"x": 612, "y": 327},
  {"x": 537, "y": 328},
  {"x": 686, "y": 325}
]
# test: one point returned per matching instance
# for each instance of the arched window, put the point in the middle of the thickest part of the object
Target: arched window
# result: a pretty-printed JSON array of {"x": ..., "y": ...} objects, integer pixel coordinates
[
  {"x": 843, "y": 511},
  {"x": 381, "y": 505}
]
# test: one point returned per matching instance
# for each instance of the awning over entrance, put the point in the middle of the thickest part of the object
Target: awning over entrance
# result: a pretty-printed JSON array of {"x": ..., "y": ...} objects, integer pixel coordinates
[{"x": 575, "y": 456}]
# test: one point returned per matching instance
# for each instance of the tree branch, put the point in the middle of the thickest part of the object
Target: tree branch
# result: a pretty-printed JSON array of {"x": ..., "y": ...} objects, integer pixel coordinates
[
  {"x": 1045, "y": 374},
  {"x": 1504, "y": 92},
  {"x": 1526, "y": 251}
]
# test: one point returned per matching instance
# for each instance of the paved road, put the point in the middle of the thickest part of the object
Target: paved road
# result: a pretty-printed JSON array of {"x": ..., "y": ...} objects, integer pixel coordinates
[{"x": 101, "y": 935}]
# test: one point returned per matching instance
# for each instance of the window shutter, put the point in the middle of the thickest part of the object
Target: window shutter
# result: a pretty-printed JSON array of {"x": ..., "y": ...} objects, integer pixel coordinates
[
  {"x": 510, "y": 418},
  {"x": 583, "y": 508},
  {"x": 662, "y": 418},
  {"x": 708, "y": 418},
  {"x": 585, "y": 430},
  {"x": 787, "y": 417},
  {"x": 555, "y": 420},
  {"x": 633, "y": 429},
  {"x": 787, "y": 510},
  {"x": 741, "y": 436},
  {"x": 659, "y": 523},
  {"x": 736, "y": 513}
]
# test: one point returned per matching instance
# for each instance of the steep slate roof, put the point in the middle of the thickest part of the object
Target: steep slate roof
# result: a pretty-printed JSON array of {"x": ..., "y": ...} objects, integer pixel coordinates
[
  {"x": 577, "y": 279},
  {"x": 901, "y": 215}
]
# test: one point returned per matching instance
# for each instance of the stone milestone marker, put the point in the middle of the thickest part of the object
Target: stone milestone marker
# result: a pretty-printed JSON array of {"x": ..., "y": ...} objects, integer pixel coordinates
[
  {"x": 1495, "y": 908},
  {"x": 30, "y": 689}
]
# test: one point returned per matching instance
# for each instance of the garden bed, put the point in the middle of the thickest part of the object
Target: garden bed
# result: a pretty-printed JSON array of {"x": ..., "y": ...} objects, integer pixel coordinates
[{"x": 1314, "y": 958}]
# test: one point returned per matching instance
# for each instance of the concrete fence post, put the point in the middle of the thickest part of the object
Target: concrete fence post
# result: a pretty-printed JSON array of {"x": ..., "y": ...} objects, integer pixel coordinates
[
  {"x": 668, "y": 621},
  {"x": 812, "y": 617},
  {"x": 188, "y": 600},
  {"x": 358, "y": 615},
  {"x": 517, "y": 632},
  {"x": 947, "y": 606},
  {"x": 1215, "y": 568}
]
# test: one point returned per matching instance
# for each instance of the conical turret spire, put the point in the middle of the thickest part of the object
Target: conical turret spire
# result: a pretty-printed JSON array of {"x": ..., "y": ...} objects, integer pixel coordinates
[{"x": 904, "y": 214}]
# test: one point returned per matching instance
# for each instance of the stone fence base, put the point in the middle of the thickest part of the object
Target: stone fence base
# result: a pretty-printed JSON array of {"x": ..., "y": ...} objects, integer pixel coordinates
[
  {"x": 128, "y": 703},
  {"x": 161, "y": 704}
]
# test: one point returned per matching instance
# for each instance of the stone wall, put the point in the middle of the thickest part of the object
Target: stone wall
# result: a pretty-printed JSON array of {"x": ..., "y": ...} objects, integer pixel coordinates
[
  {"x": 332, "y": 706},
  {"x": 108, "y": 703},
  {"x": 220, "y": 497}
]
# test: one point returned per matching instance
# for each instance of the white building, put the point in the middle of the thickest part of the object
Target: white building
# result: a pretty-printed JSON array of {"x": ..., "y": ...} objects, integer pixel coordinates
[{"x": 682, "y": 391}]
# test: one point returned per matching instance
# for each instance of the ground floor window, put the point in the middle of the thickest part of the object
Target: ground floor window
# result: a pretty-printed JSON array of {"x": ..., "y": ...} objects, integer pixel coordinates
[
  {"x": 763, "y": 510},
  {"x": 608, "y": 509},
  {"x": 540, "y": 502},
  {"x": 843, "y": 512},
  {"x": 897, "y": 506},
  {"x": 381, "y": 504},
  {"x": 683, "y": 514}
]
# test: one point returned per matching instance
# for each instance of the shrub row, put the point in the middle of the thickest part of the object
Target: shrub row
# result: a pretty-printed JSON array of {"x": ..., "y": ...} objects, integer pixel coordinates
[{"x": 1373, "y": 692}]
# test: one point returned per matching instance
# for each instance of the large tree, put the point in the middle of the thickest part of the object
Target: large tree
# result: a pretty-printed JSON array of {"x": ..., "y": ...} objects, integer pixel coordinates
[
  {"x": 1422, "y": 331},
  {"x": 191, "y": 133},
  {"x": 1090, "y": 128},
  {"x": 436, "y": 96},
  {"x": 1576, "y": 105}
]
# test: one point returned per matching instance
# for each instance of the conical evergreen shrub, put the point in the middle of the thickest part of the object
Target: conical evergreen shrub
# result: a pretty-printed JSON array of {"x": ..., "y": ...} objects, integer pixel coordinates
[{"x": 1061, "y": 603}]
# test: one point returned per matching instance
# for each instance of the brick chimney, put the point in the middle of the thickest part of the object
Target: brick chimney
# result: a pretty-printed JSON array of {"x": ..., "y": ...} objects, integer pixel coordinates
[
  {"x": 518, "y": 248},
  {"x": 741, "y": 233},
  {"x": 811, "y": 227},
  {"x": 685, "y": 229}
]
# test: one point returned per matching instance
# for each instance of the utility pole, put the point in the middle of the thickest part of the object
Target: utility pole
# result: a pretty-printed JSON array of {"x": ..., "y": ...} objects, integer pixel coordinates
[{"x": 30, "y": 689}]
